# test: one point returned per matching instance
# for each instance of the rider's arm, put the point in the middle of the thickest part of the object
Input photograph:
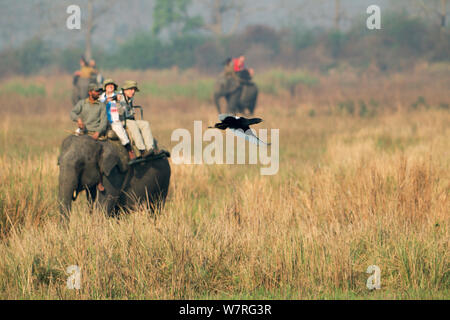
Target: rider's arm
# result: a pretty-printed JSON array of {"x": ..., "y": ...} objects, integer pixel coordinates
[
  {"x": 76, "y": 111},
  {"x": 103, "y": 121}
]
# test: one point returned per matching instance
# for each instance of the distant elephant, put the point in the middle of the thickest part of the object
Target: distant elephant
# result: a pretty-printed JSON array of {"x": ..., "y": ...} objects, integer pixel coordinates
[
  {"x": 84, "y": 161},
  {"x": 80, "y": 89},
  {"x": 241, "y": 95}
]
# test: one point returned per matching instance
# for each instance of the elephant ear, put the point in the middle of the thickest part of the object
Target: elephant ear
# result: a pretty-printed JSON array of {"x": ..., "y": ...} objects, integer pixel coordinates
[{"x": 109, "y": 158}]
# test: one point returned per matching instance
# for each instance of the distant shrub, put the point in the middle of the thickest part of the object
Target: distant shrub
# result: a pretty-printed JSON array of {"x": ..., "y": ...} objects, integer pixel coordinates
[
  {"x": 347, "y": 107},
  {"x": 444, "y": 106},
  {"x": 264, "y": 35},
  {"x": 275, "y": 80},
  {"x": 302, "y": 37},
  {"x": 144, "y": 51},
  {"x": 30, "y": 58},
  {"x": 209, "y": 57},
  {"x": 420, "y": 102},
  {"x": 407, "y": 32},
  {"x": 182, "y": 51},
  {"x": 201, "y": 90},
  {"x": 33, "y": 56},
  {"x": 362, "y": 109},
  {"x": 336, "y": 40},
  {"x": 26, "y": 90}
]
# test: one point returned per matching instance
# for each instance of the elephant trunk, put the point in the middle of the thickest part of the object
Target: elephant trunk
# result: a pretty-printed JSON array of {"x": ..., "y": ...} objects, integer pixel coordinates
[{"x": 68, "y": 183}]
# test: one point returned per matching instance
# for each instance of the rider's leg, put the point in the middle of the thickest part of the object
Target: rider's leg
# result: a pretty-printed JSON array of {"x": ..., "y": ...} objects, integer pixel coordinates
[
  {"x": 136, "y": 135},
  {"x": 123, "y": 137},
  {"x": 144, "y": 126},
  {"x": 120, "y": 132}
]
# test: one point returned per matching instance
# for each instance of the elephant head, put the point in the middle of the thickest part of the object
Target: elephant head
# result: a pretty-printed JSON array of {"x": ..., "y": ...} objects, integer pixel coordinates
[
  {"x": 112, "y": 157},
  {"x": 79, "y": 169},
  {"x": 83, "y": 162}
]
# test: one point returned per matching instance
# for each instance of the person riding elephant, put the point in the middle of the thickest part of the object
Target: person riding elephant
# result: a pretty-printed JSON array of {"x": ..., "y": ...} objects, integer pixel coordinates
[
  {"x": 84, "y": 162},
  {"x": 90, "y": 113},
  {"x": 90, "y": 116},
  {"x": 110, "y": 97},
  {"x": 96, "y": 76},
  {"x": 81, "y": 80},
  {"x": 139, "y": 129}
]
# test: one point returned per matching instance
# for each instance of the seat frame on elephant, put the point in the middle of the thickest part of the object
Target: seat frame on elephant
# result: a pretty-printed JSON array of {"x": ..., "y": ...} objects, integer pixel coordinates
[{"x": 112, "y": 136}]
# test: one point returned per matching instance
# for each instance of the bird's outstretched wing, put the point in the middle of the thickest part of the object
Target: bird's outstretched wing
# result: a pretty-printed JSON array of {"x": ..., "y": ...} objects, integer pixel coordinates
[{"x": 249, "y": 136}]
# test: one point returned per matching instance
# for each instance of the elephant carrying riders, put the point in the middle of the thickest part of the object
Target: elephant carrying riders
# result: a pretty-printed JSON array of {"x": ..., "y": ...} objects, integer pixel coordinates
[
  {"x": 110, "y": 97},
  {"x": 139, "y": 129}
]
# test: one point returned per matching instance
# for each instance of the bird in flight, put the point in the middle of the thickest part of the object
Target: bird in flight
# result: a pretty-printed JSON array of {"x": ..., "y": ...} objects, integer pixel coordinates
[{"x": 240, "y": 126}]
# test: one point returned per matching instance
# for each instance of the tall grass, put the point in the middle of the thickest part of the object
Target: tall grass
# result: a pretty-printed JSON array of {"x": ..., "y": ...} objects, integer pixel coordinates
[{"x": 351, "y": 192}]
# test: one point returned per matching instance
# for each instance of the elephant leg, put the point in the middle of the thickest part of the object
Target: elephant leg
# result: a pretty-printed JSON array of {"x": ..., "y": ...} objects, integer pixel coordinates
[
  {"x": 233, "y": 102},
  {"x": 91, "y": 195},
  {"x": 68, "y": 184},
  {"x": 251, "y": 108},
  {"x": 75, "y": 95},
  {"x": 253, "y": 104},
  {"x": 109, "y": 198},
  {"x": 217, "y": 97}
]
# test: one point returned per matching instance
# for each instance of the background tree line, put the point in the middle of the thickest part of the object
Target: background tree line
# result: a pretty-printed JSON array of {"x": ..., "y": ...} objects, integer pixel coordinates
[{"x": 186, "y": 40}]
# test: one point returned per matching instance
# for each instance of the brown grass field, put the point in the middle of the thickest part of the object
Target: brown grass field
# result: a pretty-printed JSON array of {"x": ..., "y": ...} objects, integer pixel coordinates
[{"x": 364, "y": 180}]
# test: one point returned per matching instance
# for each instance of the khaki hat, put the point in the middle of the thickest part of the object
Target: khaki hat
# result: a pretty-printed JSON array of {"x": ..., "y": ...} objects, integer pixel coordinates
[
  {"x": 129, "y": 84},
  {"x": 109, "y": 81},
  {"x": 94, "y": 87}
]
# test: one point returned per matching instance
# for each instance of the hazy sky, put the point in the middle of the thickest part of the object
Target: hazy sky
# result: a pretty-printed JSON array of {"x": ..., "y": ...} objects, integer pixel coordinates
[{"x": 23, "y": 19}]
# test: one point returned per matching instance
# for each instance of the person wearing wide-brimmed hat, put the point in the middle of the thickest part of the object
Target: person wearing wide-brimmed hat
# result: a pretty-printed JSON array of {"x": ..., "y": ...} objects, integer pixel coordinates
[
  {"x": 139, "y": 129},
  {"x": 109, "y": 90},
  {"x": 110, "y": 97}
]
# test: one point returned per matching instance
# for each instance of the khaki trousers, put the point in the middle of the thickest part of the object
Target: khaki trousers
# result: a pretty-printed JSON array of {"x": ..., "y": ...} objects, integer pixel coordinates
[{"x": 141, "y": 134}]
